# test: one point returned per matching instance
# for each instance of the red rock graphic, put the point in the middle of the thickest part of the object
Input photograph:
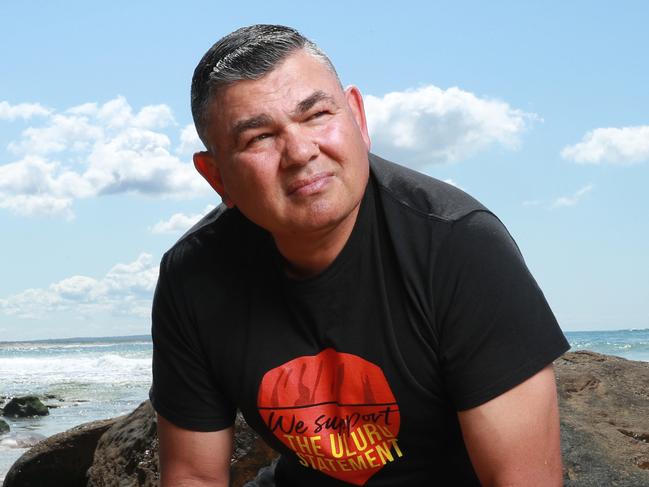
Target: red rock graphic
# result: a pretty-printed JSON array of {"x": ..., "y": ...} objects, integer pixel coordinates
[{"x": 335, "y": 411}]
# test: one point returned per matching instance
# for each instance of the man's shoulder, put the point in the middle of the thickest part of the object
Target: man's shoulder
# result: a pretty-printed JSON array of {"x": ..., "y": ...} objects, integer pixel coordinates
[
  {"x": 421, "y": 194},
  {"x": 219, "y": 235}
]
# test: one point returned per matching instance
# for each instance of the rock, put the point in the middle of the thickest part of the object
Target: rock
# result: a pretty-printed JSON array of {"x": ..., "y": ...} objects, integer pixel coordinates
[
  {"x": 121, "y": 451},
  {"x": 258, "y": 455},
  {"x": 4, "y": 427},
  {"x": 60, "y": 460},
  {"x": 604, "y": 406},
  {"x": 127, "y": 454},
  {"x": 24, "y": 406}
]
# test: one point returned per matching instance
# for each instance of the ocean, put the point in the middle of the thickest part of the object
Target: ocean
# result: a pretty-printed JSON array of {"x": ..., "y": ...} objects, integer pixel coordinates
[{"x": 86, "y": 379}]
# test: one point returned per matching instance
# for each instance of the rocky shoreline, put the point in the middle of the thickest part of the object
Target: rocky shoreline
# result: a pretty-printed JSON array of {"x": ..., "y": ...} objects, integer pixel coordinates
[{"x": 604, "y": 403}]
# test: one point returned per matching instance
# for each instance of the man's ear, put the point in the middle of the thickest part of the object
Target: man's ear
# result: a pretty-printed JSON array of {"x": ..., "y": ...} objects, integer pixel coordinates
[
  {"x": 206, "y": 165},
  {"x": 355, "y": 102}
]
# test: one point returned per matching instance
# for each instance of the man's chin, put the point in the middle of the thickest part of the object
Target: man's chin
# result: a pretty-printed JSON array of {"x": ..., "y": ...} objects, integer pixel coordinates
[{"x": 324, "y": 217}]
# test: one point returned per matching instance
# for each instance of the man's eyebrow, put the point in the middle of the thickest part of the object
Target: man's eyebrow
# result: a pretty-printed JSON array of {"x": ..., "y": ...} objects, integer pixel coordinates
[
  {"x": 264, "y": 120},
  {"x": 250, "y": 123},
  {"x": 306, "y": 104}
]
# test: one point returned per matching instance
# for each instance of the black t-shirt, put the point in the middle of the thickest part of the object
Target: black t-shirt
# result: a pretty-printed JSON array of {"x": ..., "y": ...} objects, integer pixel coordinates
[{"x": 355, "y": 375}]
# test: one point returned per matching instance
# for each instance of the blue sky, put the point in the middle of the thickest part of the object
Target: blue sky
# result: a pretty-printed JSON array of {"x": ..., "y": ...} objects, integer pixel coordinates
[{"x": 541, "y": 111}]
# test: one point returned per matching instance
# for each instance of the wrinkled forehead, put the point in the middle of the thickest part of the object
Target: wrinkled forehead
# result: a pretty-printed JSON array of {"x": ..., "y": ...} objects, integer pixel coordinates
[{"x": 279, "y": 91}]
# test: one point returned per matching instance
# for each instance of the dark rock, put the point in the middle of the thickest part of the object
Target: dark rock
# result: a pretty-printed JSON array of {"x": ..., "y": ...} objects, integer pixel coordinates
[
  {"x": 247, "y": 444},
  {"x": 25, "y": 406},
  {"x": 60, "y": 460},
  {"x": 257, "y": 456},
  {"x": 127, "y": 454},
  {"x": 4, "y": 427},
  {"x": 604, "y": 405},
  {"x": 121, "y": 451}
]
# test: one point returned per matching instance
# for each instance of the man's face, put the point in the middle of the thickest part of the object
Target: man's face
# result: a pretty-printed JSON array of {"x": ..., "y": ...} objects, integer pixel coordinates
[{"x": 290, "y": 149}]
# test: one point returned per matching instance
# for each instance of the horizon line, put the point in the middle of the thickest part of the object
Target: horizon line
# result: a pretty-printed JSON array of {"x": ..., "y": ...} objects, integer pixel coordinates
[
  {"x": 86, "y": 338},
  {"x": 148, "y": 336}
]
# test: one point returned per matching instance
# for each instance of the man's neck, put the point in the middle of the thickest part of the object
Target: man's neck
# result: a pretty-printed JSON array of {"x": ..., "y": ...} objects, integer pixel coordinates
[{"x": 309, "y": 255}]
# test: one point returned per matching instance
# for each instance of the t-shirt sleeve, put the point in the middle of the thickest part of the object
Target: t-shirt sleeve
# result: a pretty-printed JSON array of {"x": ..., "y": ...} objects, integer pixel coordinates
[
  {"x": 183, "y": 391},
  {"x": 495, "y": 327}
]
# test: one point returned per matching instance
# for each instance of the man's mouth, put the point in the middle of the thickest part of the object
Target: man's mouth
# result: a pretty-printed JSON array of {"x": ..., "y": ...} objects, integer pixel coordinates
[{"x": 309, "y": 185}]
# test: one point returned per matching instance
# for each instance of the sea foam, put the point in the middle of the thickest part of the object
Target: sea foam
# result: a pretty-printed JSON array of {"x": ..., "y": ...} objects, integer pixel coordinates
[{"x": 105, "y": 368}]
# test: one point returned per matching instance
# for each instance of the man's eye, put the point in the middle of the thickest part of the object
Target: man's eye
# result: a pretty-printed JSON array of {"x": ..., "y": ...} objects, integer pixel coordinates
[
  {"x": 258, "y": 138},
  {"x": 319, "y": 114}
]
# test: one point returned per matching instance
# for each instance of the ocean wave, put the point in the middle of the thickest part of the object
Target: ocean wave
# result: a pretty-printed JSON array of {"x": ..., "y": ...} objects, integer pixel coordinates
[
  {"x": 44, "y": 347},
  {"x": 94, "y": 368},
  {"x": 20, "y": 440},
  {"x": 630, "y": 344}
]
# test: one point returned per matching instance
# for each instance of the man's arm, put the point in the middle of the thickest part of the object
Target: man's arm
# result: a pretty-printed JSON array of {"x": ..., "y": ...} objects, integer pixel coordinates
[
  {"x": 192, "y": 458},
  {"x": 513, "y": 439}
]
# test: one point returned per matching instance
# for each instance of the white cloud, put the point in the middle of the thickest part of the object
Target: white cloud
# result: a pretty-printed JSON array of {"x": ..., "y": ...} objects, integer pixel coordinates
[
  {"x": 561, "y": 201},
  {"x": 139, "y": 276},
  {"x": 126, "y": 289},
  {"x": 96, "y": 149},
  {"x": 453, "y": 183},
  {"x": 139, "y": 161},
  {"x": 33, "y": 186},
  {"x": 92, "y": 149},
  {"x": 431, "y": 125},
  {"x": 154, "y": 117},
  {"x": 22, "y": 110},
  {"x": 62, "y": 132},
  {"x": 179, "y": 222},
  {"x": 573, "y": 199},
  {"x": 83, "y": 109},
  {"x": 626, "y": 145},
  {"x": 189, "y": 141},
  {"x": 42, "y": 205}
]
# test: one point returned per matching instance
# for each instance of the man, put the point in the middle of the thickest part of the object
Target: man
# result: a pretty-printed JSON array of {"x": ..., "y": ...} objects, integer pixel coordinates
[{"x": 376, "y": 326}]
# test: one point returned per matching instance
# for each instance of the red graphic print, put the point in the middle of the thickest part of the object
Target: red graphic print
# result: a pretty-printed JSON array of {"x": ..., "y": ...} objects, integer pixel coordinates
[{"x": 335, "y": 411}]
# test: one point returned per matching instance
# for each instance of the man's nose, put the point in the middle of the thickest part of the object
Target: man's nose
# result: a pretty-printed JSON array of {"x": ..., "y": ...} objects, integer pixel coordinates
[{"x": 299, "y": 147}]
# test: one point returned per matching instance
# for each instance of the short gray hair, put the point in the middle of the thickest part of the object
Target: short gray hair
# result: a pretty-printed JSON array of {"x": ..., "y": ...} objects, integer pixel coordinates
[{"x": 247, "y": 53}]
